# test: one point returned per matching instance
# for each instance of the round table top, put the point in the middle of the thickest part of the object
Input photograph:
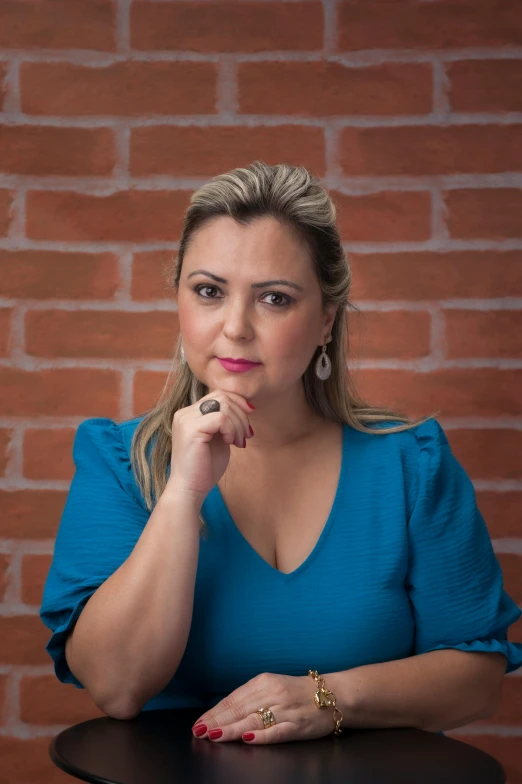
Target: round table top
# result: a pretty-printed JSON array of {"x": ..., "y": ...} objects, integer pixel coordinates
[{"x": 158, "y": 746}]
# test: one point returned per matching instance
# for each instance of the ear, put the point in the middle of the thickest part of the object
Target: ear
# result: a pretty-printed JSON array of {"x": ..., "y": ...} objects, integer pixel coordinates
[{"x": 329, "y": 319}]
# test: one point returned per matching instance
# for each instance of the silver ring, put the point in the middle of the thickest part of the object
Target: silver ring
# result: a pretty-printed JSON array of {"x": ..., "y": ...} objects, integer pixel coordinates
[{"x": 209, "y": 406}]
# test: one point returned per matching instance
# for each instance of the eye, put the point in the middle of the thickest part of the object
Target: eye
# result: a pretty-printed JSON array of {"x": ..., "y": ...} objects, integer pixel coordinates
[{"x": 287, "y": 299}]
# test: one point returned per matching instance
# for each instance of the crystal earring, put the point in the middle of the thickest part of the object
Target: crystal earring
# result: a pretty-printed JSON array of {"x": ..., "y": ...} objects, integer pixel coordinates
[
  {"x": 323, "y": 371},
  {"x": 183, "y": 360}
]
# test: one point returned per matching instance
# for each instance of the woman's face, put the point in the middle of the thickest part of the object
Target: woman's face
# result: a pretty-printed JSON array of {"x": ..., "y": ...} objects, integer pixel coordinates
[{"x": 278, "y": 325}]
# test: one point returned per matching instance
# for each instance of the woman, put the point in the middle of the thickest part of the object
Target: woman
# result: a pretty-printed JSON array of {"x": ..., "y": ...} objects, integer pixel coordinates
[{"x": 344, "y": 575}]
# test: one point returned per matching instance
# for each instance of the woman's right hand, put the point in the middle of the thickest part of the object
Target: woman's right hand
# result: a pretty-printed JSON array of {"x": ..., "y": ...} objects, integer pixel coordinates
[{"x": 201, "y": 442}]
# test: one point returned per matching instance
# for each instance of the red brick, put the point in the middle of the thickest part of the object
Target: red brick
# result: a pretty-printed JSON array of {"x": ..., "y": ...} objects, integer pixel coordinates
[
  {"x": 30, "y": 514},
  {"x": 6, "y": 315},
  {"x": 428, "y": 275},
  {"x": 148, "y": 385},
  {"x": 385, "y": 216},
  {"x": 129, "y": 88},
  {"x": 5, "y": 440},
  {"x": 515, "y": 631},
  {"x": 24, "y": 638},
  {"x": 27, "y": 760},
  {"x": 29, "y": 149},
  {"x": 45, "y": 701},
  {"x": 6, "y": 201},
  {"x": 193, "y": 152},
  {"x": 334, "y": 89},
  {"x": 487, "y": 213},
  {"x": 128, "y": 216},
  {"x": 384, "y": 335},
  {"x": 256, "y": 25},
  {"x": 380, "y": 24},
  {"x": 452, "y": 392},
  {"x": 52, "y": 274},
  {"x": 47, "y": 453},
  {"x": 485, "y": 85},
  {"x": 492, "y": 454},
  {"x": 35, "y": 569},
  {"x": 152, "y": 274},
  {"x": 58, "y": 24},
  {"x": 110, "y": 334},
  {"x": 501, "y": 510},
  {"x": 508, "y": 713},
  {"x": 3, "y": 87},
  {"x": 59, "y": 392},
  {"x": 414, "y": 150},
  {"x": 484, "y": 333},
  {"x": 5, "y": 563}
]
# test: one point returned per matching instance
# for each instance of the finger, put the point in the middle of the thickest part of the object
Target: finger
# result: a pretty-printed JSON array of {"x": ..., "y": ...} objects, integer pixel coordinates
[
  {"x": 235, "y": 730},
  {"x": 235, "y": 707},
  {"x": 232, "y": 414},
  {"x": 278, "y": 733},
  {"x": 237, "y": 398},
  {"x": 240, "y": 417}
]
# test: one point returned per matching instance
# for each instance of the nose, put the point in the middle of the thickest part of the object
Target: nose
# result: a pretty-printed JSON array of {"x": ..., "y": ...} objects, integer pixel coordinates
[{"x": 237, "y": 323}]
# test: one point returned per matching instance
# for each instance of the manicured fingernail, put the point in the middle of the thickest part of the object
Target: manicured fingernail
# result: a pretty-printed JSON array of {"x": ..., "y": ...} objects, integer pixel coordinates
[
  {"x": 215, "y": 734},
  {"x": 248, "y": 736},
  {"x": 250, "y": 405},
  {"x": 200, "y": 730}
]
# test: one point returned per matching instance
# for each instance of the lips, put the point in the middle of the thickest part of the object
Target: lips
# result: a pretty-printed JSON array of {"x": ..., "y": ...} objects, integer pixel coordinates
[
  {"x": 239, "y": 361},
  {"x": 238, "y": 367}
]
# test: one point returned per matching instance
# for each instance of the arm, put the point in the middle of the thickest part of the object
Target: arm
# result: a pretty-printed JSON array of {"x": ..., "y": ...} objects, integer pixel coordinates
[
  {"x": 433, "y": 691},
  {"x": 131, "y": 635}
]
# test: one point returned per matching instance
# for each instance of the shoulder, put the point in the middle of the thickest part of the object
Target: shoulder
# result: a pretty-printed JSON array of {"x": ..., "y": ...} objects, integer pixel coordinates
[
  {"x": 416, "y": 437},
  {"x": 102, "y": 449},
  {"x": 402, "y": 459},
  {"x": 408, "y": 442},
  {"x": 106, "y": 434}
]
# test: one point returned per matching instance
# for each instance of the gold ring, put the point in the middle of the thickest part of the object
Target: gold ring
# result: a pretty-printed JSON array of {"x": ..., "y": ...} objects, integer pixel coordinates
[{"x": 267, "y": 716}]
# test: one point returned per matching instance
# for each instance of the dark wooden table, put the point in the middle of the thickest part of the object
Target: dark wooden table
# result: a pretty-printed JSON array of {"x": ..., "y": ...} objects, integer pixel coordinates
[{"x": 158, "y": 747}]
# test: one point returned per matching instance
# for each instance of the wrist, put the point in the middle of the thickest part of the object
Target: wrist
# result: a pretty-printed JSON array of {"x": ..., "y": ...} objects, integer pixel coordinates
[
  {"x": 346, "y": 686},
  {"x": 178, "y": 495}
]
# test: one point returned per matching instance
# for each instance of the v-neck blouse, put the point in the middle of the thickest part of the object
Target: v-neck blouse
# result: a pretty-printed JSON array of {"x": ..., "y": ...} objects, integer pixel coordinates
[
  {"x": 404, "y": 565},
  {"x": 241, "y": 542}
]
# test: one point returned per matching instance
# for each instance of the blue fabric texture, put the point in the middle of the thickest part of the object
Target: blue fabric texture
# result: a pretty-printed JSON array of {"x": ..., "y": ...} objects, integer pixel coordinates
[{"x": 404, "y": 565}]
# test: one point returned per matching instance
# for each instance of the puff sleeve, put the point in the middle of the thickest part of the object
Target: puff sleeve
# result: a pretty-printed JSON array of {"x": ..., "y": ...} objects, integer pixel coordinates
[
  {"x": 101, "y": 522},
  {"x": 454, "y": 581}
]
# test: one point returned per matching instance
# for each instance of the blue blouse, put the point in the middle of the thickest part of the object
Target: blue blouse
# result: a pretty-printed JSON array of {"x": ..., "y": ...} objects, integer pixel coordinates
[{"x": 404, "y": 565}]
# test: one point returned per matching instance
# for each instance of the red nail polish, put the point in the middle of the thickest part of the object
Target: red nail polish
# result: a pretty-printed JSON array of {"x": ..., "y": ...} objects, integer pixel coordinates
[
  {"x": 250, "y": 405},
  {"x": 248, "y": 736},
  {"x": 200, "y": 730},
  {"x": 215, "y": 734}
]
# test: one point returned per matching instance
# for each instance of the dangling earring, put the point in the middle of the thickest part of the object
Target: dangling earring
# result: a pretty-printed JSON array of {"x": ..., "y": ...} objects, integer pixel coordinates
[
  {"x": 323, "y": 371},
  {"x": 183, "y": 360}
]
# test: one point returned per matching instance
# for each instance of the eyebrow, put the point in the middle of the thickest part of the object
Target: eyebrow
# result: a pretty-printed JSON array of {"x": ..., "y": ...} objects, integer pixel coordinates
[{"x": 253, "y": 285}]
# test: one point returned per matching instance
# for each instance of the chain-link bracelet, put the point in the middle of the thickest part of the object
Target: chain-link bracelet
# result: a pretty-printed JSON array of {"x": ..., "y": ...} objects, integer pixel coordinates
[{"x": 326, "y": 699}]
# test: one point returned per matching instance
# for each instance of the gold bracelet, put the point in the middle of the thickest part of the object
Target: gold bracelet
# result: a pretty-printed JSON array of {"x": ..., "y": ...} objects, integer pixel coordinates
[{"x": 326, "y": 699}]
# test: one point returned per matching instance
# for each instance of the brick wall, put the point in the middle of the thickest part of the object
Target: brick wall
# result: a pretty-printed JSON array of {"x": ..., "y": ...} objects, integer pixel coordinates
[{"x": 113, "y": 112}]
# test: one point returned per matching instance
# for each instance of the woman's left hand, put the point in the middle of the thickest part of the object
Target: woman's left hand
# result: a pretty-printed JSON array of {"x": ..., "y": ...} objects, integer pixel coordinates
[{"x": 291, "y": 700}]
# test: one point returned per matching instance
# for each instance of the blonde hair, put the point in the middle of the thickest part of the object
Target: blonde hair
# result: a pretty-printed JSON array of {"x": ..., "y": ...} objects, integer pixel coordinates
[{"x": 293, "y": 196}]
